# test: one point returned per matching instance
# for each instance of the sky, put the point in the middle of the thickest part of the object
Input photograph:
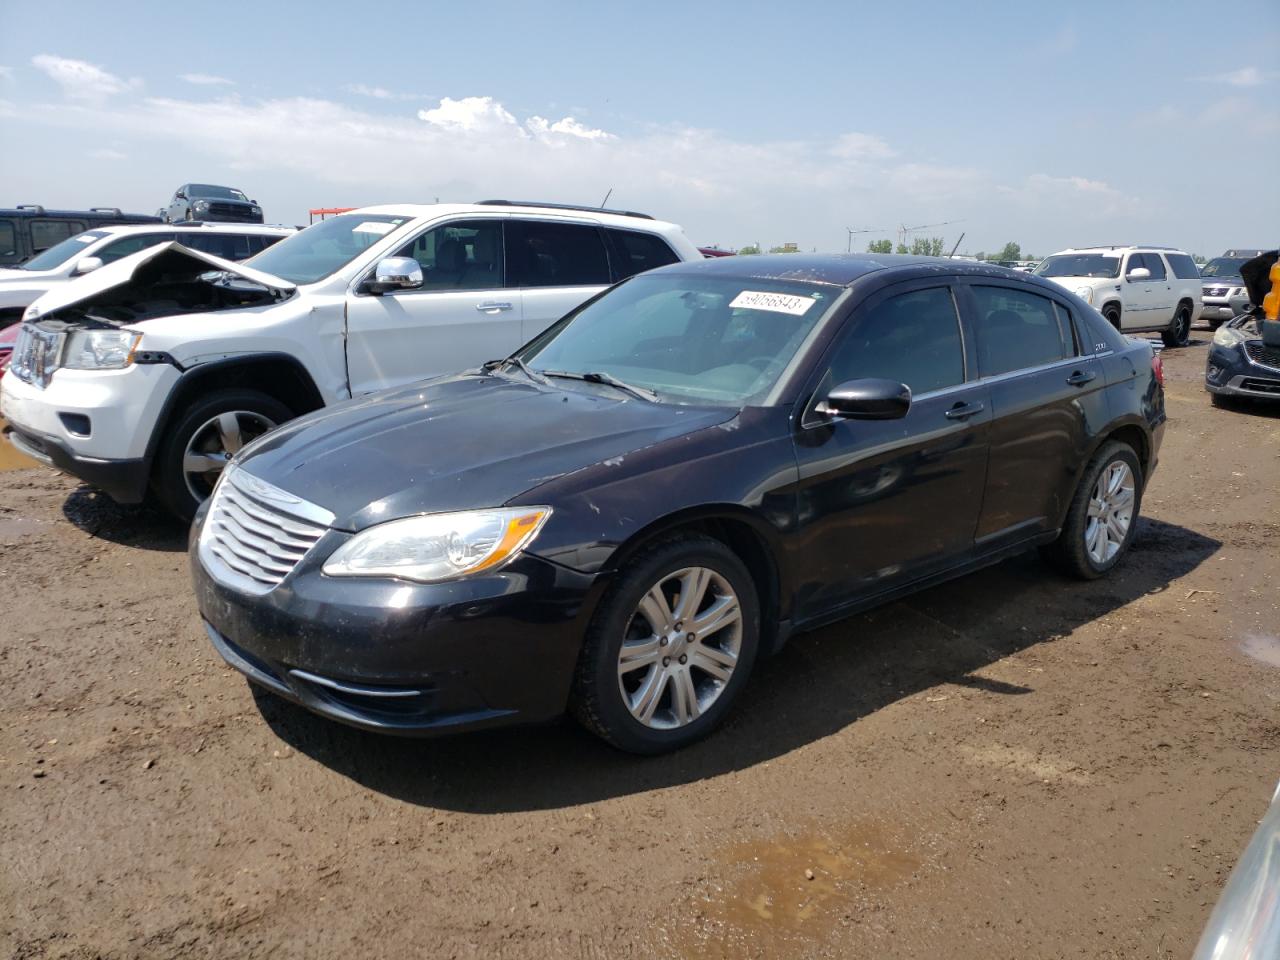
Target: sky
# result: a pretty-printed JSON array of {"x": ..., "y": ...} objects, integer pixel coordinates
[{"x": 1047, "y": 124}]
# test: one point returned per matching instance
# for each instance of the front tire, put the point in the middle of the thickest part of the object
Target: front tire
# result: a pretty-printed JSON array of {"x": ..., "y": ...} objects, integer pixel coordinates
[
  {"x": 1112, "y": 314},
  {"x": 670, "y": 647},
  {"x": 203, "y": 438},
  {"x": 1178, "y": 332},
  {"x": 1103, "y": 515}
]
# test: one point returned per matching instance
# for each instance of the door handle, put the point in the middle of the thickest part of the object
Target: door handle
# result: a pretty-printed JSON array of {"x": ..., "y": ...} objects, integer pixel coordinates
[
  {"x": 1080, "y": 378},
  {"x": 491, "y": 306},
  {"x": 963, "y": 411}
]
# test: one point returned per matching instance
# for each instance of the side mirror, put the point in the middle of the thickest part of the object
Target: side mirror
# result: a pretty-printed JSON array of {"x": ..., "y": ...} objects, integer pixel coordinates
[
  {"x": 86, "y": 265},
  {"x": 395, "y": 273},
  {"x": 1138, "y": 273},
  {"x": 179, "y": 195},
  {"x": 867, "y": 399}
]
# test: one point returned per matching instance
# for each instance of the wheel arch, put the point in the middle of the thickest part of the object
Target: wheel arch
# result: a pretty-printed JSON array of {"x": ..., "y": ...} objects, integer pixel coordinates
[
  {"x": 746, "y": 534},
  {"x": 278, "y": 375}
]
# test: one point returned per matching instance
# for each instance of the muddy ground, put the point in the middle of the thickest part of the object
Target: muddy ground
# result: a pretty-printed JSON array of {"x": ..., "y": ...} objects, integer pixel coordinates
[{"x": 1011, "y": 765}]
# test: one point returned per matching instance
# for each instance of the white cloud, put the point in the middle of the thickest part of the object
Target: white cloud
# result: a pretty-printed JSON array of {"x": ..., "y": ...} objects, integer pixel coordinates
[
  {"x": 382, "y": 93},
  {"x": 568, "y": 127},
  {"x": 1244, "y": 77},
  {"x": 106, "y": 153},
  {"x": 861, "y": 146},
  {"x": 471, "y": 115},
  {"x": 207, "y": 80},
  {"x": 1071, "y": 196},
  {"x": 80, "y": 80},
  {"x": 6, "y": 73}
]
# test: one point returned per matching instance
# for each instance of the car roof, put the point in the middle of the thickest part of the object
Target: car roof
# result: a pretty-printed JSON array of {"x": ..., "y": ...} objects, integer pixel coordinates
[
  {"x": 1121, "y": 248},
  {"x": 271, "y": 230},
  {"x": 603, "y": 217},
  {"x": 843, "y": 269}
]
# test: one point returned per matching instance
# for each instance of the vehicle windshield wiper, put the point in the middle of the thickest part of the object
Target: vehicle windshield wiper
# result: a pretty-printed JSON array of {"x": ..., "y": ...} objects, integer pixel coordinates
[
  {"x": 593, "y": 376},
  {"x": 516, "y": 362}
]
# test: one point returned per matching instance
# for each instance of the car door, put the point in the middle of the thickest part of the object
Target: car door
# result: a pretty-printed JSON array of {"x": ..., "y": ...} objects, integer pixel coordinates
[
  {"x": 177, "y": 206},
  {"x": 1047, "y": 400},
  {"x": 555, "y": 265},
  {"x": 462, "y": 315},
  {"x": 1140, "y": 299},
  {"x": 1162, "y": 298},
  {"x": 884, "y": 502}
]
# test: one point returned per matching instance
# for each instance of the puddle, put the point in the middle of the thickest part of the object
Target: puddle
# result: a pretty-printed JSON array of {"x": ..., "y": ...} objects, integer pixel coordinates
[
  {"x": 782, "y": 894},
  {"x": 1263, "y": 647},
  {"x": 11, "y": 459}
]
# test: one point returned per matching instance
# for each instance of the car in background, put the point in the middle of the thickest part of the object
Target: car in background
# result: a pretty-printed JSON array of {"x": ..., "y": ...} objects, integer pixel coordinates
[
  {"x": 1225, "y": 295},
  {"x": 29, "y": 229},
  {"x": 713, "y": 252},
  {"x": 85, "y": 252},
  {"x": 1244, "y": 358},
  {"x": 210, "y": 202},
  {"x": 623, "y": 515},
  {"x": 1138, "y": 288},
  {"x": 149, "y": 373}
]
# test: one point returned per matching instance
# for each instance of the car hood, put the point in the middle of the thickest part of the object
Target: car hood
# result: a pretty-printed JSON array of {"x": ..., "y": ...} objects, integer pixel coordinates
[
  {"x": 161, "y": 261},
  {"x": 459, "y": 443},
  {"x": 18, "y": 276},
  {"x": 1228, "y": 281},
  {"x": 1256, "y": 274}
]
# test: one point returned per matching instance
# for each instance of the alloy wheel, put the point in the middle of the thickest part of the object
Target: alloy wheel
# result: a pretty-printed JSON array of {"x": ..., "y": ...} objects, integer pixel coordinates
[
  {"x": 680, "y": 648},
  {"x": 214, "y": 443},
  {"x": 1110, "y": 512}
]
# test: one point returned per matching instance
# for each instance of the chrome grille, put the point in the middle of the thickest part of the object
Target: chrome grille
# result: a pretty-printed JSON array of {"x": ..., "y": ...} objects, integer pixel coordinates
[
  {"x": 1215, "y": 291},
  {"x": 255, "y": 534}
]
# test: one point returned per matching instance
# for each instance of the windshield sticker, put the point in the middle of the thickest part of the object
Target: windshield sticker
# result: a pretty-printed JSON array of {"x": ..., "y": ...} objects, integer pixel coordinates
[
  {"x": 775, "y": 302},
  {"x": 373, "y": 226},
  {"x": 84, "y": 239}
]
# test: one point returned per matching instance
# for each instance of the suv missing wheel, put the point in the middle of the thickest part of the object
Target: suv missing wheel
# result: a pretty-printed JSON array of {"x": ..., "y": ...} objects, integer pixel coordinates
[
  {"x": 1139, "y": 289},
  {"x": 146, "y": 375}
]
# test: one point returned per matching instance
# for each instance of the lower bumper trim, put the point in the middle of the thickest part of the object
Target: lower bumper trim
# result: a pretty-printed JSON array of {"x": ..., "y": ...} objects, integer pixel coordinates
[{"x": 124, "y": 481}]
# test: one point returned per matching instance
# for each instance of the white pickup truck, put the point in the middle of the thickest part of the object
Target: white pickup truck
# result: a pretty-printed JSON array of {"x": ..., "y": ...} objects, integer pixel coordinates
[{"x": 148, "y": 374}]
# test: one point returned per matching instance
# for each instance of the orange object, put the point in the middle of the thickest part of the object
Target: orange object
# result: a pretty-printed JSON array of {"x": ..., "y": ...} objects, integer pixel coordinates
[
  {"x": 1271, "y": 302},
  {"x": 323, "y": 212}
]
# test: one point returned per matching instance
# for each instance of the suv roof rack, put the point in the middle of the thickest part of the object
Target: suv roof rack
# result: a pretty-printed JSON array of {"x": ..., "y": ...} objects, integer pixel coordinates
[
  {"x": 31, "y": 206},
  {"x": 1124, "y": 246},
  {"x": 560, "y": 206},
  {"x": 114, "y": 210}
]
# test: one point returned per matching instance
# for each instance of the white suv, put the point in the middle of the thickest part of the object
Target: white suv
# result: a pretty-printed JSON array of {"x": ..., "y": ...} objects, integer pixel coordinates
[
  {"x": 1137, "y": 288},
  {"x": 22, "y": 285},
  {"x": 149, "y": 373}
]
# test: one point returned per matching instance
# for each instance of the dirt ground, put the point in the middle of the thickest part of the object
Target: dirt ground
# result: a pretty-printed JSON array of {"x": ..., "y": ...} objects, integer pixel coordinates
[{"x": 1010, "y": 765}]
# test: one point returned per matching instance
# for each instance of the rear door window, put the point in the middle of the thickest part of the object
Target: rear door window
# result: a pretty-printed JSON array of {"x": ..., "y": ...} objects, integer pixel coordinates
[
  {"x": 127, "y": 245},
  {"x": 545, "y": 254},
  {"x": 1017, "y": 330},
  {"x": 632, "y": 252},
  {"x": 45, "y": 233},
  {"x": 1184, "y": 268},
  {"x": 913, "y": 338},
  {"x": 8, "y": 241}
]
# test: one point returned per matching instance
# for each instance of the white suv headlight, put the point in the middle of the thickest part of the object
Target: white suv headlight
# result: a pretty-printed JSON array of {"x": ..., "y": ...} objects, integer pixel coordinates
[
  {"x": 441, "y": 546},
  {"x": 1085, "y": 294},
  {"x": 100, "y": 349}
]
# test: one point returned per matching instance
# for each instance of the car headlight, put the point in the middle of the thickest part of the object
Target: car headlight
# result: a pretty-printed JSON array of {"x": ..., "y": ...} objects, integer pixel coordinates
[
  {"x": 201, "y": 205},
  {"x": 256, "y": 211},
  {"x": 100, "y": 349},
  {"x": 1228, "y": 336},
  {"x": 441, "y": 546},
  {"x": 1085, "y": 294},
  {"x": 1238, "y": 292}
]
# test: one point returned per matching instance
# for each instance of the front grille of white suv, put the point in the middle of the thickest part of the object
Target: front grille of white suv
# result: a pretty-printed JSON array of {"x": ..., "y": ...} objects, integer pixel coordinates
[{"x": 255, "y": 534}]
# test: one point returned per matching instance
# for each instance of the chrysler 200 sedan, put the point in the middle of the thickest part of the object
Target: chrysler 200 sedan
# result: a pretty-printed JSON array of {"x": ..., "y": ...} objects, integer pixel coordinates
[{"x": 624, "y": 515}]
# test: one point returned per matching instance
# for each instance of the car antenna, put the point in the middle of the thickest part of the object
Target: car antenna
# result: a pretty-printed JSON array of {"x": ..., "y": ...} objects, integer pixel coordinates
[
  {"x": 956, "y": 247},
  {"x": 606, "y": 198}
]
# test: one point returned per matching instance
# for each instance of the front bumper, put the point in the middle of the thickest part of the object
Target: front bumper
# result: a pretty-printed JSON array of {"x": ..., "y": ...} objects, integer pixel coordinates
[
  {"x": 1223, "y": 308},
  {"x": 403, "y": 658},
  {"x": 124, "y": 481},
  {"x": 1231, "y": 371}
]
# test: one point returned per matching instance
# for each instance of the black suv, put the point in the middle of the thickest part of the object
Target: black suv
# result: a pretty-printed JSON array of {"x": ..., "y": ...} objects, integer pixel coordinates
[
  {"x": 207, "y": 201},
  {"x": 29, "y": 229},
  {"x": 708, "y": 457}
]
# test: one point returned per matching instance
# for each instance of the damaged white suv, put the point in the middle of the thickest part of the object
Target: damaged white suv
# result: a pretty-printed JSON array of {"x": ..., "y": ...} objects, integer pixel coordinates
[{"x": 146, "y": 375}]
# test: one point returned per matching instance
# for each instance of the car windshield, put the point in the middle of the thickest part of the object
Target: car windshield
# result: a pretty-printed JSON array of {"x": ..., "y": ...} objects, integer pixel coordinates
[
  {"x": 1079, "y": 265},
  {"x": 688, "y": 338},
  {"x": 325, "y": 247},
  {"x": 60, "y": 253},
  {"x": 1223, "y": 267},
  {"x": 211, "y": 192}
]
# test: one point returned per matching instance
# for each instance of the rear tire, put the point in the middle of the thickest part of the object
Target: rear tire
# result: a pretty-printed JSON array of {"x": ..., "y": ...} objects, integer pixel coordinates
[
  {"x": 665, "y": 691},
  {"x": 197, "y": 432},
  {"x": 1179, "y": 331},
  {"x": 1101, "y": 521}
]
